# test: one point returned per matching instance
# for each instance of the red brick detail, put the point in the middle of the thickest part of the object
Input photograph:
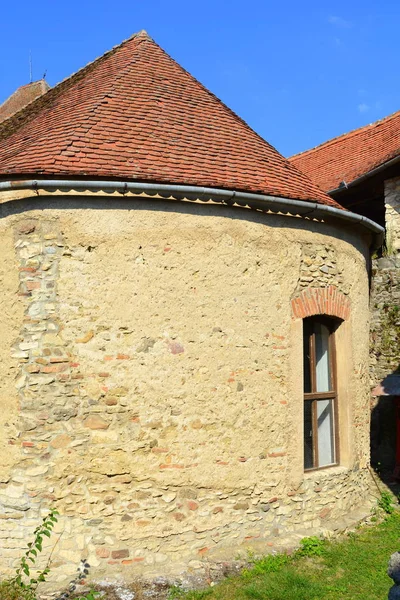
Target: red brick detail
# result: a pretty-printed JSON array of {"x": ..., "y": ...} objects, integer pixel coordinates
[
  {"x": 324, "y": 513},
  {"x": 321, "y": 301}
]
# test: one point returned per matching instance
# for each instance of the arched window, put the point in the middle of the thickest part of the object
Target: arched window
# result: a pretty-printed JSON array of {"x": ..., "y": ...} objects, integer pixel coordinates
[{"x": 320, "y": 396}]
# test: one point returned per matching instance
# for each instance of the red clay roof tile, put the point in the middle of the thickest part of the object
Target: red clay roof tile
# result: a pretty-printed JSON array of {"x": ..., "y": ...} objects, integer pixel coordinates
[
  {"x": 135, "y": 114},
  {"x": 347, "y": 157}
]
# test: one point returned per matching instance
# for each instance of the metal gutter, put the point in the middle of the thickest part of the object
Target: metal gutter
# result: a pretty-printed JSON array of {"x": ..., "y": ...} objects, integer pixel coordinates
[
  {"x": 382, "y": 167},
  {"x": 204, "y": 194}
]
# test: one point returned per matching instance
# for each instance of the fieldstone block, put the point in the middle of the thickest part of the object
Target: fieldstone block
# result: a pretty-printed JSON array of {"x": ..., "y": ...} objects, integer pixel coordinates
[
  {"x": 119, "y": 554},
  {"x": 96, "y": 422}
]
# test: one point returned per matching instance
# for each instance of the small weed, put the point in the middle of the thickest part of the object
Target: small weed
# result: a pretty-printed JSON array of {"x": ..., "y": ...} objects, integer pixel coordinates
[
  {"x": 311, "y": 546},
  {"x": 175, "y": 592},
  {"x": 267, "y": 564},
  {"x": 385, "y": 502}
]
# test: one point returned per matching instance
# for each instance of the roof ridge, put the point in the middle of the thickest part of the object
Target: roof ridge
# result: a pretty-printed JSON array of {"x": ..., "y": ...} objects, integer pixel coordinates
[
  {"x": 350, "y": 133},
  {"x": 13, "y": 122}
]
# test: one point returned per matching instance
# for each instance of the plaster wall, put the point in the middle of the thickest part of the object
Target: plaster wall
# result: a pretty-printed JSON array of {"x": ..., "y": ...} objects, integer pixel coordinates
[{"x": 155, "y": 366}]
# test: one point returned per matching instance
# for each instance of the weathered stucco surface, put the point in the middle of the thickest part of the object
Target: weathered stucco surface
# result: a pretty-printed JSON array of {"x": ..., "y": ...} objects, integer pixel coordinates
[
  {"x": 11, "y": 316},
  {"x": 160, "y": 381}
]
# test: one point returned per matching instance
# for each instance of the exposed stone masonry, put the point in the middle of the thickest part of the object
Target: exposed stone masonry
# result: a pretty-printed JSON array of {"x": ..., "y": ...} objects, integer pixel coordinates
[
  {"x": 385, "y": 318},
  {"x": 319, "y": 268},
  {"x": 392, "y": 214},
  {"x": 43, "y": 382}
]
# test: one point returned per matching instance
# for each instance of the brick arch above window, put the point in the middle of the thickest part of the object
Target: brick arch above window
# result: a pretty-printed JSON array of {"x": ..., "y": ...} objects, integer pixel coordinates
[{"x": 321, "y": 301}]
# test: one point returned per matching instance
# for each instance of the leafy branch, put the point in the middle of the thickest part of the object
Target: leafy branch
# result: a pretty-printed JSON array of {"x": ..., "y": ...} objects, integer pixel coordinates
[{"x": 43, "y": 530}]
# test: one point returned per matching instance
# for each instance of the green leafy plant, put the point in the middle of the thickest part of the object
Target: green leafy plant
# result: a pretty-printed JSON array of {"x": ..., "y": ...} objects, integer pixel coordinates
[
  {"x": 23, "y": 586},
  {"x": 385, "y": 502},
  {"x": 311, "y": 546},
  {"x": 175, "y": 592},
  {"x": 92, "y": 595},
  {"x": 267, "y": 564}
]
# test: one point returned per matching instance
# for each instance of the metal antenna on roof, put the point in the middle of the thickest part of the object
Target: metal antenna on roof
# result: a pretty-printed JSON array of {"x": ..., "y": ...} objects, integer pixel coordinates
[{"x": 30, "y": 66}]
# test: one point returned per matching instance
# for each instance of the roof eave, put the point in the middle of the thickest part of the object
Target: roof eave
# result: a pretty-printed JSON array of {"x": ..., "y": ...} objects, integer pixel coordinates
[
  {"x": 366, "y": 175},
  {"x": 274, "y": 204}
]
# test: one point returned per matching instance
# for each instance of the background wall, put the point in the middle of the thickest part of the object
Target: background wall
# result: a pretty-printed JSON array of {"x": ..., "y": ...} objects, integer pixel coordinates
[
  {"x": 392, "y": 213},
  {"x": 385, "y": 358}
]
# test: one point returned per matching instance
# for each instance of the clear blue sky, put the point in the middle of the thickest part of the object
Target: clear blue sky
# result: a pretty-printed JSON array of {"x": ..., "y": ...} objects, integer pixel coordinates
[{"x": 299, "y": 72}]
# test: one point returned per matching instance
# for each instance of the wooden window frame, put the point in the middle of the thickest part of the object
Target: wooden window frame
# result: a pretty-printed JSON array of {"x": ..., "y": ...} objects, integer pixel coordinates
[{"x": 312, "y": 396}]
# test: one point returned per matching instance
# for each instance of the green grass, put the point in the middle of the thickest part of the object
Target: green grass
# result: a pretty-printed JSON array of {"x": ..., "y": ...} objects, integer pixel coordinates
[{"x": 353, "y": 568}]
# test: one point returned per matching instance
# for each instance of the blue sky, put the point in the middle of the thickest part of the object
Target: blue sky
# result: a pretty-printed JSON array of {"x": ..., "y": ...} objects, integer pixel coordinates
[{"x": 299, "y": 72}]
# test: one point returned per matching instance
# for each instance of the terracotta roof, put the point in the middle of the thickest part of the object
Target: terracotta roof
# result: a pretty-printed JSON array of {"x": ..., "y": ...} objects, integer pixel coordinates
[
  {"x": 135, "y": 114},
  {"x": 21, "y": 97},
  {"x": 347, "y": 157}
]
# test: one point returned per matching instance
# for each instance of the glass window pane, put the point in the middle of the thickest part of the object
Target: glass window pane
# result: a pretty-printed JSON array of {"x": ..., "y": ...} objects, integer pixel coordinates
[
  {"x": 307, "y": 331},
  {"x": 326, "y": 444},
  {"x": 323, "y": 374},
  {"x": 308, "y": 437}
]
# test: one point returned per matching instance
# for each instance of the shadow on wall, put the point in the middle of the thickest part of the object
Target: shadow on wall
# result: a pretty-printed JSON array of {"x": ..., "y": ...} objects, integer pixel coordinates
[
  {"x": 162, "y": 205},
  {"x": 385, "y": 430}
]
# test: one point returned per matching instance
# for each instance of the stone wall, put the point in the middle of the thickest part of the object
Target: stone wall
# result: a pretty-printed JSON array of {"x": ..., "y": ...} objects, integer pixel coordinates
[
  {"x": 158, "y": 366},
  {"x": 392, "y": 214},
  {"x": 385, "y": 359},
  {"x": 385, "y": 318}
]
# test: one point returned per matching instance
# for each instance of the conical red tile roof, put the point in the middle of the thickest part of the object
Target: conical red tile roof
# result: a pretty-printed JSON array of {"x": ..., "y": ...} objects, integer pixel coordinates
[{"x": 135, "y": 114}]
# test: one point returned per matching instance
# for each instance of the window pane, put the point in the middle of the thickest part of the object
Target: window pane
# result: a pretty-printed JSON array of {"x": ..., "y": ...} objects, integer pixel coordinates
[
  {"x": 323, "y": 375},
  {"x": 308, "y": 437},
  {"x": 326, "y": 446},
  {"x": 307, "y": 331}
]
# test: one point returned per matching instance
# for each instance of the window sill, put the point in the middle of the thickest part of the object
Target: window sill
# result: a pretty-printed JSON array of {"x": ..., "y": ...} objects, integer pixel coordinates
[{"x": 325, "y": 472}]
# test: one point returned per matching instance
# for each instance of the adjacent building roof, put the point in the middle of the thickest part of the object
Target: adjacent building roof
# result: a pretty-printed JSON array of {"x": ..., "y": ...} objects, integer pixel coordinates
[
  {"x": 343, "y": 159},
  {"x": 21, "y": 97},
  {"x": 135, "y": 114},
  {"x": 390, "y": 386}
]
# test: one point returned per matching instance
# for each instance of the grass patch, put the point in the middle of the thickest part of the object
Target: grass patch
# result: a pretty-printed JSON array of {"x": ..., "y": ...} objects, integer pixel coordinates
[{"x": 353, "y": 568}]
